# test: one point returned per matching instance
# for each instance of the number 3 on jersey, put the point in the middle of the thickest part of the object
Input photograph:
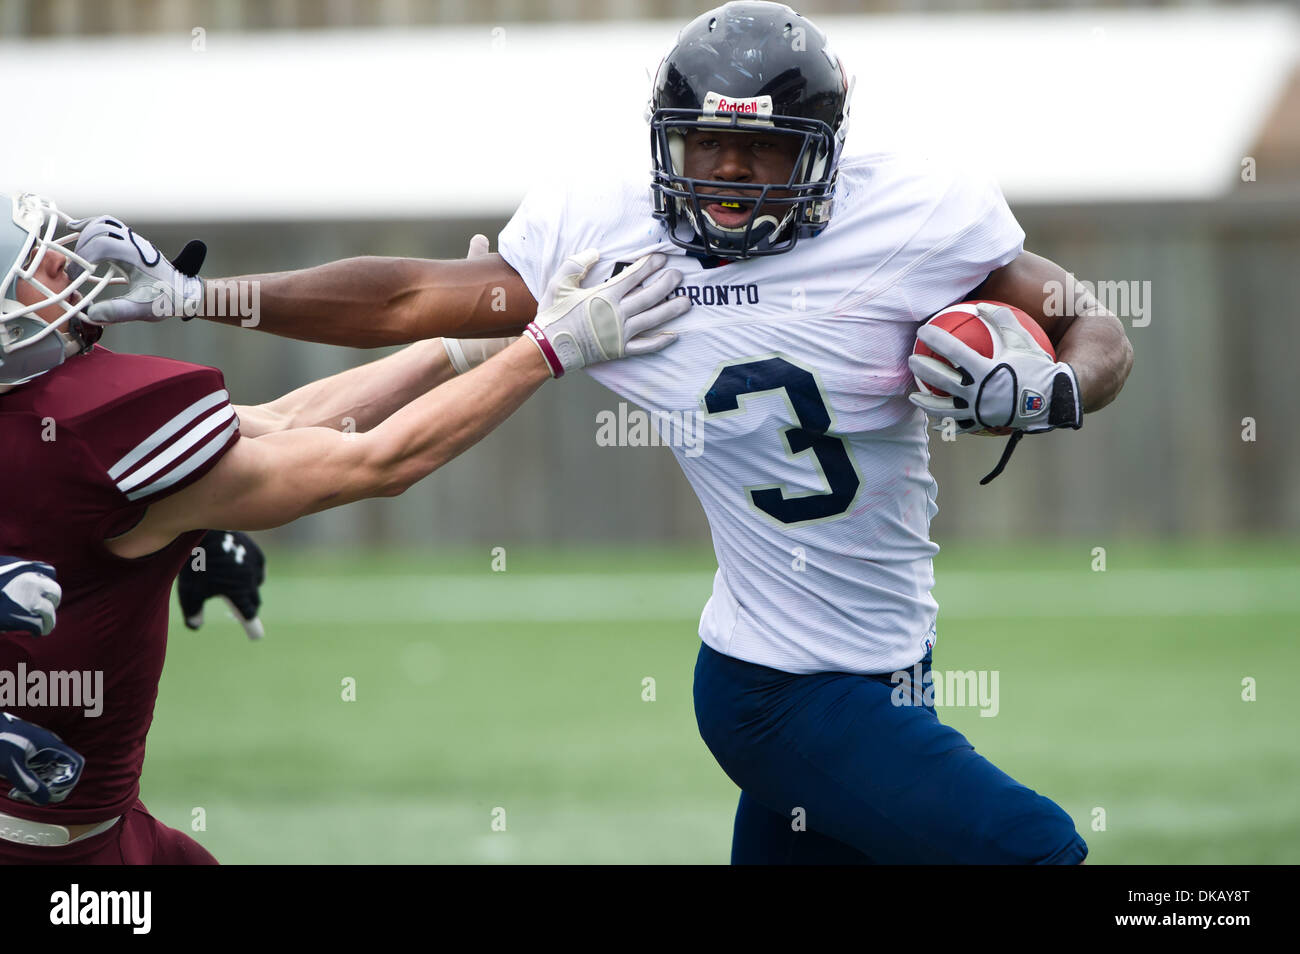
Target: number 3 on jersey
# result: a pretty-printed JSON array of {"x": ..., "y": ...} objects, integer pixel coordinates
[{"x": 807, "y": 402}]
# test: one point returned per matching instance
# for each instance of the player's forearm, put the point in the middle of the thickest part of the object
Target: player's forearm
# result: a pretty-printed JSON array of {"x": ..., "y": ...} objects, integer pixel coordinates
[
  {"x": 440, "y": 426},
  {"x": 1098, "y": 350},
  {"x": 1086, "y": 336},
  {"x": 356, "y": 399},
  {"x": 408, "y": 446},
  {"x": 273, "y": 480},
  {"x": 371, "y": 302}
]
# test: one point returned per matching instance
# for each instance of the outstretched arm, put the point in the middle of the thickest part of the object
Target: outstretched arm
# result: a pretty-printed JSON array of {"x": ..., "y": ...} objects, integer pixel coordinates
[
  {"x": 370, "y": 302},
  {"x": 272, "y": 480},
  {"x": 362, "y": 302},
  {"x": 356, "y": 399}
]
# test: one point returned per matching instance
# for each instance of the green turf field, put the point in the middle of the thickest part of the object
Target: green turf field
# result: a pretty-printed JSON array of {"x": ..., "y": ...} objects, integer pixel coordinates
[{"x": 1118, "y": 690}]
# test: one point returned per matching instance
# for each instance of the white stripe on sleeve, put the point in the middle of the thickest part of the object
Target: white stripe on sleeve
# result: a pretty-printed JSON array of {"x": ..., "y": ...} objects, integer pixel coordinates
[
  {"x": 178, "y": 449},
  {"x": 192, "y": 463},
  {"x": 156, "y": 439}
]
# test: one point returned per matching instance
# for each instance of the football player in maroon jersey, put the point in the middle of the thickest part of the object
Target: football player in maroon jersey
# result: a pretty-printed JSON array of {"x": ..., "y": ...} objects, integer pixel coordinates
[{"x": 124, "y": 460}]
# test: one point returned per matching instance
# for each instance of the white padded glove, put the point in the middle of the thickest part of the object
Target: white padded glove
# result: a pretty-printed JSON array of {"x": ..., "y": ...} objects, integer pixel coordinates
[
  {"x": 1019, "y": 387},
  {"x": 157, "y": 288},
  {"x": 577, "y": 326}
]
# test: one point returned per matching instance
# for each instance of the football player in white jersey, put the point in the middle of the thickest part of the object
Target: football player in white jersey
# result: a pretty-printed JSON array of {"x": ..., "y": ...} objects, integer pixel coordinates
[{"x": 810, "y": 274}]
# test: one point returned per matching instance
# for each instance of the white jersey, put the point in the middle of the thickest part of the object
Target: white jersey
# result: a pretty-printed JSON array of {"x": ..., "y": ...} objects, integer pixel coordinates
[{"x": 811, "y": 464}]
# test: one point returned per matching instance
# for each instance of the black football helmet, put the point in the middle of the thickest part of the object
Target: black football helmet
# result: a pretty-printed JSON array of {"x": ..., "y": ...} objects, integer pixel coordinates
[{"x": 748, "y": 65}]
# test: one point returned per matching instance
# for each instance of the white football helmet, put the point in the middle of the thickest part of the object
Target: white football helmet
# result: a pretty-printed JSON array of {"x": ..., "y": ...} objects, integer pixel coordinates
[{"x": 29, "y": 344}]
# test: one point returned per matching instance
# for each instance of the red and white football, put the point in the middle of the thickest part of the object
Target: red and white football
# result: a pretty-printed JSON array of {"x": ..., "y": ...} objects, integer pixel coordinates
[{"x": 963, "y": 322}]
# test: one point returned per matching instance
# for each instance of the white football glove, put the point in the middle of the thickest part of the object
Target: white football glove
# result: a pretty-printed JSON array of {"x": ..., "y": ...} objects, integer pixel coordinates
[
  {"x": 578, "y": 326},
  {"x": 157, "y": 288},
  {"x": 29, "y": 596},
  {"x": 466, "y": 353},
  {"x": 1019, "y": 387}
]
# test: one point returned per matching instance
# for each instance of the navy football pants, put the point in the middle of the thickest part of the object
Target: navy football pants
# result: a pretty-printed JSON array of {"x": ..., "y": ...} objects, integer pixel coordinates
[{"x": 873, "y": 782}]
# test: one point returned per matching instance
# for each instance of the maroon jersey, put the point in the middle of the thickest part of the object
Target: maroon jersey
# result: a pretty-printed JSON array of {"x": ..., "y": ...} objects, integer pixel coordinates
[{"x": 86, "y": 448}]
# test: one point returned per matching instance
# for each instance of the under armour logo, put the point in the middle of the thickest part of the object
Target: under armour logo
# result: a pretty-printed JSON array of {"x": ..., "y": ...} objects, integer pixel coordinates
[{"x": 230, "y": 546}]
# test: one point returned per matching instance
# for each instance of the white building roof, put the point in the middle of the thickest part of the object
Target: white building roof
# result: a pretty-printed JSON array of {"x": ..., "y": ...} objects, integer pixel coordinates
[{"x": 1098, "y": 104}]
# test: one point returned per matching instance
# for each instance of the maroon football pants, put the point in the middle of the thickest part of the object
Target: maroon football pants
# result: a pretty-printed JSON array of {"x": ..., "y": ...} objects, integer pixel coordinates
[{"x": 137, "y": 839}]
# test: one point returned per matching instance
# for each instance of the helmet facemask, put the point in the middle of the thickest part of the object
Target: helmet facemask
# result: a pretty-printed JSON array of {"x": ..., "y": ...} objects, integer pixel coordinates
[
  {"x": 30, "y": 344},
  {"x": 803, "y": 205}
]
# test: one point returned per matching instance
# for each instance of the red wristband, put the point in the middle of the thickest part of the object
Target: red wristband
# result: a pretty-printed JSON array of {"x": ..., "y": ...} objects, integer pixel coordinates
[{"x": 538, "y": 337}]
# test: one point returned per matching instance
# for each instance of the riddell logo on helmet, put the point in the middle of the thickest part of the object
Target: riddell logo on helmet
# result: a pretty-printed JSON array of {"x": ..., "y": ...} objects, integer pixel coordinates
[{"x": 759, "y": 106}]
